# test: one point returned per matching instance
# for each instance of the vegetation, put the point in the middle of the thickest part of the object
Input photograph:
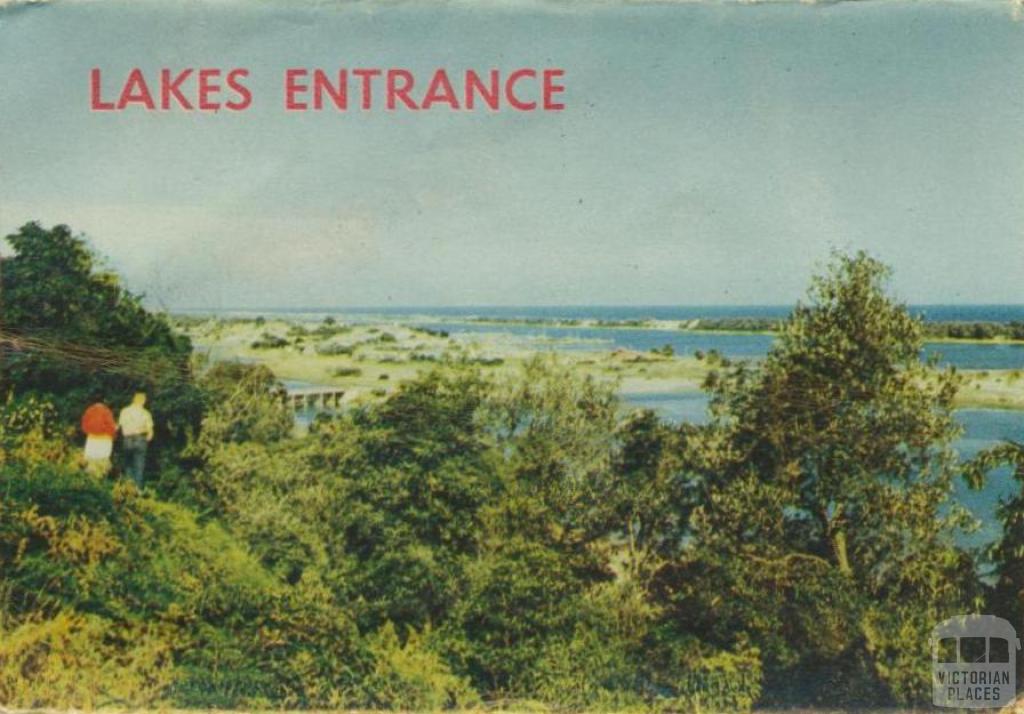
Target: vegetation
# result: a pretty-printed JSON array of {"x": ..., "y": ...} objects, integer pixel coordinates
[
  {"x": 71, "y": 332},
  {"x": 482, "y": 535},
  {"x": 268, "y": 341}
]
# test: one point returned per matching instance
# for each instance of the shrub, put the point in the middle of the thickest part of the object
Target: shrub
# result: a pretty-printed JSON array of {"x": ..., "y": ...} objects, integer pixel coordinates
[
  {"x": 333, "y": 348},
  {"x": 443, "y": 334},
  {"x": 81, "y": 662},
  {"x": 720, "y": 682},
  {"x": 592, "y": 670},
  {"x": 412, "y": 677},
  {"x": 487, "y": 361},
  {"x": 268, "y": 341}
]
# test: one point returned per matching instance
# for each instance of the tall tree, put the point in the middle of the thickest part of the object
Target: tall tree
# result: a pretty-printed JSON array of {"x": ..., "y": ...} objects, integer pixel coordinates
[
  {"x": 827, "y": 534},
  {"x": 70, "y": 329}
]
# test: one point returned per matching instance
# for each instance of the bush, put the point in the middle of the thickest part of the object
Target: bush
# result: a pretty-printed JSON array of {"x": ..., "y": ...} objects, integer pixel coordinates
[
  {"x": 721, "y": 682},
  {"x": 333, "y": 348},
  {"x": 412, "y": 677},
  {"x": 430, "y": 332},
  {"x": 245, "y": 404},
  {"x": 76, "y": 661},
  {"x": 347, "y": 372},
  {"x": 487, "y": 361},
  {"x": 589, "y": 671},
  {"x": 268, "y": 341}
]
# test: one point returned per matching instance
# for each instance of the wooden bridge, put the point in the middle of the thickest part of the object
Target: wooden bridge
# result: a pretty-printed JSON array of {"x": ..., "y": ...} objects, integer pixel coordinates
[{"x": 316, "y": 397}]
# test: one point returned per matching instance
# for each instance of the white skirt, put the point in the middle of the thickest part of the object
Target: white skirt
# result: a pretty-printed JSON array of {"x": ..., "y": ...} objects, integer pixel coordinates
[{"x": 98, "y": 448}]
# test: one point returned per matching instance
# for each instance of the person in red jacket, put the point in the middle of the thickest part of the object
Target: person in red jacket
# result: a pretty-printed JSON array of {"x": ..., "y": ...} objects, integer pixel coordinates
[{"x": 100, "y": 429}]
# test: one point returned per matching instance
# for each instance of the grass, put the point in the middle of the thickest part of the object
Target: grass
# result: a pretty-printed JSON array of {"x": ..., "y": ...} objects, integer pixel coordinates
[{"x": 992, "y": 389}]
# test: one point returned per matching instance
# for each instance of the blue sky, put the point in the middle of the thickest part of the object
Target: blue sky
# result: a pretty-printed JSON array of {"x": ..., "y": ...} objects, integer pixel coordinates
[{"x": 710, "y": 153}]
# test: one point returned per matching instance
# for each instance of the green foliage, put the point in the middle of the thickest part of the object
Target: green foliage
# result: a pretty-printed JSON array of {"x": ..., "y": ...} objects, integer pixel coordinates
[
  {"x": 723, "y": 681},
  {"x": 411, "y": 676},
  {"x": 244, "y": 404},
  {"x": 1006, "y": 598},
  {"x": 336, "y": 348},
  {"x": 77, "y": 332},
  {"x": 476, "y": 535},
  {"x": 603, "y": 663},
  {"x": 588, "y": 672},
  {"x": 75, "y": 661},
  {"x": 519, "y": 598},
  {"x": 268, "y": 341},
  {"x": 347, "y": 372},
  {"x": 827, "y": 516},
  {"x": 116, "y": 578}
]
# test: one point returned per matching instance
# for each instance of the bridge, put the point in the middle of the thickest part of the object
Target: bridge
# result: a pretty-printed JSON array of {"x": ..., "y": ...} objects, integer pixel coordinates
[{"x": 315, "y": 397}]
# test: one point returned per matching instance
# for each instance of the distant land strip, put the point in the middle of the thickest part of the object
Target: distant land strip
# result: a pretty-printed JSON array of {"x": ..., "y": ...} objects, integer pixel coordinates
[{"x": 973, "y": 331}]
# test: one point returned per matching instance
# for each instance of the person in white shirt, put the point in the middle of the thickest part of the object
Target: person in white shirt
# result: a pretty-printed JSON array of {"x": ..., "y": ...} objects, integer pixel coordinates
[{"x": 136, "y": 425}]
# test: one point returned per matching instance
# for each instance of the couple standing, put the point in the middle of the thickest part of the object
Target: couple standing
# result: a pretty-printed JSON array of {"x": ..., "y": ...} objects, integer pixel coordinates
[{"x": 136, "y": 425}]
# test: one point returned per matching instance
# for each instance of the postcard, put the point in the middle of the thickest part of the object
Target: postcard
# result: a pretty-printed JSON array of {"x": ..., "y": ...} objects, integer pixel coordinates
[{"x": 521, "y": 355}]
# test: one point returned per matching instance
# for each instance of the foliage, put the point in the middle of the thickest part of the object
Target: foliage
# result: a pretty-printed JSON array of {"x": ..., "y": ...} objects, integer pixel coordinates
[
  {"x": 72, "y": 661},
  {"x": 268, "y": 341},
  {"x": 77, "y": 333},
  {"x": 1007, "y": 557},
  {"x": 411, "y": 676},
  {"x": 480, "y": 535},
  {"x": 244, "y": 404},
  {"x": 113, "y": 577},
  {"x": 826, "y": 534}
]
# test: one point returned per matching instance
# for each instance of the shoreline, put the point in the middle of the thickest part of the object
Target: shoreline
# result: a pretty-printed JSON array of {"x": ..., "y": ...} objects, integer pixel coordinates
[
  {"x": 673, "y": 327},
  {"x": 656, "y": 325},
  {"x": 369, "y": 360}
]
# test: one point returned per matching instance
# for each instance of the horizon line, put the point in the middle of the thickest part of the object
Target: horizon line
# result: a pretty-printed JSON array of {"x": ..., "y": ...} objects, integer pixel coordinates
[{"x": 491, "y": 306}]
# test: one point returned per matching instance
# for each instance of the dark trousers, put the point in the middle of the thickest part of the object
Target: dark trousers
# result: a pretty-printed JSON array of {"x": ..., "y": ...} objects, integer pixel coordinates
[{"x": 135, "y": 457}]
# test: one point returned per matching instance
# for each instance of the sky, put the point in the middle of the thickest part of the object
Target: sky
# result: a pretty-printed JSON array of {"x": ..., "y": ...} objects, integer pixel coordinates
[{"x": 709, "y": 152}]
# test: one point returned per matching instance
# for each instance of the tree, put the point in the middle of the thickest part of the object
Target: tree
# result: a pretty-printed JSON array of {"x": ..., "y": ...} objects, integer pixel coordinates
[
  {"x": 71, "y": 330},
  {"x": 1006, "y": 598},
  {"x": 826, "y": 536}
]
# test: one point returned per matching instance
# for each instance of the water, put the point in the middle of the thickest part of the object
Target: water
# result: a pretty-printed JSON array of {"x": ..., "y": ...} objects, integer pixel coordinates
[{"x": 983, "y": 427}]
